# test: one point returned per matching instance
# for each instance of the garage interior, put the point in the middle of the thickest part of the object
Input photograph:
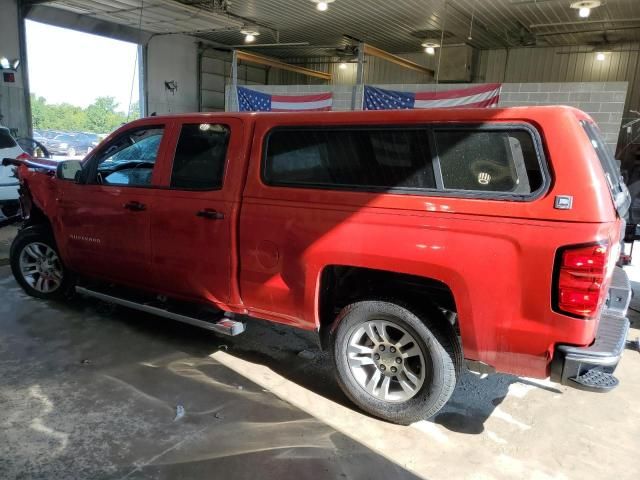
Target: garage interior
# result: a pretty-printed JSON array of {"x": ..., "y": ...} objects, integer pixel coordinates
[{"x": 90, "y": 390}]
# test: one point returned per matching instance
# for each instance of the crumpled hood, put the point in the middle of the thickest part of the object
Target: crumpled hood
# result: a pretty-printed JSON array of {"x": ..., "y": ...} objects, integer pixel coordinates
[{"x": 46, "y": 164}]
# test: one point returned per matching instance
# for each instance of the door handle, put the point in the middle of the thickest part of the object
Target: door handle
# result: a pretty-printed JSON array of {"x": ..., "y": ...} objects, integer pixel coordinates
[
  {"x": 135, "y": 206},
  {"x": 211, "y": 214}
]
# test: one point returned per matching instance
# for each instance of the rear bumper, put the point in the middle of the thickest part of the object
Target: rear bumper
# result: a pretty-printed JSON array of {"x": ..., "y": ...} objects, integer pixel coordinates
[{"x": 570, "y": 362}]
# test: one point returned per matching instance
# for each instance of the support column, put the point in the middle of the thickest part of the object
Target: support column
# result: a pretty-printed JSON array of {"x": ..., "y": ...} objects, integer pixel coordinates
[
  {"x": 15, "y": 110},
  {"x": 358, "y": 89}
]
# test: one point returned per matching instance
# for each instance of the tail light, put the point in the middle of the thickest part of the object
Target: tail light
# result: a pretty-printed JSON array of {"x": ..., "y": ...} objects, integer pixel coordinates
[{"x": 580, "y": 279}]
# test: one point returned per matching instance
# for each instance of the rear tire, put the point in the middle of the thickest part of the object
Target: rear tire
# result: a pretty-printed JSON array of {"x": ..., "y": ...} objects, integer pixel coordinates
[
  {"x": 393, "y": 363},
  {"x": 36, "y": 264}
]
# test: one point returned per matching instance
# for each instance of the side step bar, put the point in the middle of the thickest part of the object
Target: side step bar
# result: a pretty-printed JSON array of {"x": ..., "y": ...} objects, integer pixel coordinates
[{"x": 225, "y": 326}]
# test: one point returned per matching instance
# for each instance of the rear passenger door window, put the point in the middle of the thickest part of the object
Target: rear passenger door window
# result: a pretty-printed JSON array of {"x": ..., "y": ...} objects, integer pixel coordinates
[
  {"x": 501, "y": 161},
  {"x": 357, "y": 158},
  {"x": 200, "y": 157}
]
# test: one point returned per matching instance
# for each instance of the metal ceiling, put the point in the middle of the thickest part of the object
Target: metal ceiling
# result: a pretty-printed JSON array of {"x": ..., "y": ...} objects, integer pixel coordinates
[{"x": 396, "y": 26}]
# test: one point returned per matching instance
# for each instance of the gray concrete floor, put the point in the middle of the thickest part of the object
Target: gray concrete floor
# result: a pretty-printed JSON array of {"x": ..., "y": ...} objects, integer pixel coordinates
[{"x": 87, "y": 391}]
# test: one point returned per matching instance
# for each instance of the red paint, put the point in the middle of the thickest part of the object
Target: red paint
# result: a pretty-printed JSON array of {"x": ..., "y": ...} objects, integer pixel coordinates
[{"x": 266, "y": 257}]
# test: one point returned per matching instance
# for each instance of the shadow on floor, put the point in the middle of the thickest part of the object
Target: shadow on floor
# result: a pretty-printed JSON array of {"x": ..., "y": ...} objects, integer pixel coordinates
[
  {"x": 278, "y": 347},
  {"x": 92, "y": 392}
]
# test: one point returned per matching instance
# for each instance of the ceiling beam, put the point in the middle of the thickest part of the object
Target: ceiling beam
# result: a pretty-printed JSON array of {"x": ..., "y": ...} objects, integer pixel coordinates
[
  {"x": 84, "y": 23},
  {"x": 577, "y": 32},
  {"x": 390, "y": 57},
  {"x": 272, "y": 62},
  {"x": 584, "y": 22}
]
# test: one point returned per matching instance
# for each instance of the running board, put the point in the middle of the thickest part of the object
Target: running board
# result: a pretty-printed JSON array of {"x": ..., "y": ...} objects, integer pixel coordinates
[{"x": 225, "y": 326}]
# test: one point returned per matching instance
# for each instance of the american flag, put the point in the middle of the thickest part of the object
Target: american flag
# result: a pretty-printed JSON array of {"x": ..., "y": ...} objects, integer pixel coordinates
[
  {"x": 254, "y": 101},
  {"x": 480, "y": 96}
]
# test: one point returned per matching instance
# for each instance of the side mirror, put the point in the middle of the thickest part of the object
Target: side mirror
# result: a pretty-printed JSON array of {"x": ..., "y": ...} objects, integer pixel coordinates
[{"x": 69, "y": 170}]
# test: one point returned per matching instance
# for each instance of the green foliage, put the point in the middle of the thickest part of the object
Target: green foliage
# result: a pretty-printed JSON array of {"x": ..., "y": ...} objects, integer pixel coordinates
[{"x": 101, "y": 116}]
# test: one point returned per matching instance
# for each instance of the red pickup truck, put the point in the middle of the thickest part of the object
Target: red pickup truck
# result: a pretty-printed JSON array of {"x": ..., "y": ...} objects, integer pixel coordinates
[{"x": 408, "y": 240}]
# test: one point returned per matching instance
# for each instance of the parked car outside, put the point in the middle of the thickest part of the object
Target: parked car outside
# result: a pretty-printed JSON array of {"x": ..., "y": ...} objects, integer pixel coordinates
[
  {"x": 407, "y": 241},
  {"x": 9, "y": 204},
  {"x": 72, "y": 144}
]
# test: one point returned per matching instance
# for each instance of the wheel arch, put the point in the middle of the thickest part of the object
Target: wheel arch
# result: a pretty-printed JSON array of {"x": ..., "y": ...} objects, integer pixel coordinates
[{"x": 341, "y": 285}]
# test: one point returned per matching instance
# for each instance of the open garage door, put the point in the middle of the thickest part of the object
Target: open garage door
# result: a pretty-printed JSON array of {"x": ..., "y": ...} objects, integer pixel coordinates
[{"x": 215, "y": 72}]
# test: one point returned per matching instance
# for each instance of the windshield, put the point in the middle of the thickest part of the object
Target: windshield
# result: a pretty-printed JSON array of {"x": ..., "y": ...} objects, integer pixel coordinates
[
  {"x": 618, "y": 189},
  {"x": 144, "y": 149}
]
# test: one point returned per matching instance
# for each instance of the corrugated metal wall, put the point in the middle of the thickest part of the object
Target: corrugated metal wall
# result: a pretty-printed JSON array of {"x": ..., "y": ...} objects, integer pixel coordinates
[
  {"x": 376, "y": 71},
  {"x": 556, "y": 64}
]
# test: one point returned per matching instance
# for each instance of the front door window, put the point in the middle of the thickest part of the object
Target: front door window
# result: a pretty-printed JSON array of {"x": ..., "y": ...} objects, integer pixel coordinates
[{"x": 129, "y": 160}]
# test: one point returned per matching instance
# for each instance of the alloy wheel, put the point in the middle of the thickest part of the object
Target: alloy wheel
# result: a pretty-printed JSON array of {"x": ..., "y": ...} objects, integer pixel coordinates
[
  {"x": 41, "y": 268},
  {"x": 386, "y": 361}
]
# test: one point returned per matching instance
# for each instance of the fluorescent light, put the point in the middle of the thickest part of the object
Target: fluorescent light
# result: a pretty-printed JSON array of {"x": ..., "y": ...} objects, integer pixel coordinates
[
  {"x": 249, "y": 34},
  {"x": 322, "y": 6},
  {"x": 584, "y": 12},
  {"x": 600, "y": 56},
  {"x": 4, "y": 63},
  {"x": 430, "y": 50},
  {"x": 342, "y": 66}
]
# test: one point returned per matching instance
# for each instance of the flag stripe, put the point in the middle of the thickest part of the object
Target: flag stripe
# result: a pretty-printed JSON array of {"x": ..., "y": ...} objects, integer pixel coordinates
[
  {"x": 482, "y": 104},
  {"x": 323, "y": 109},
  {"x": 301, "y": 98},
  {"x": 459, "y": 92},
  {"x": 455, "y": 101},
  {"x": 288, "y": 105}
]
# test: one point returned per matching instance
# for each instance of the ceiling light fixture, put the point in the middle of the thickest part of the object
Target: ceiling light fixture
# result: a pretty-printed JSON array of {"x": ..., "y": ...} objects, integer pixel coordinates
[
  {"x": 584, "y": 7},
  {"x": 322, "y": 5},
  {"x": 249, "y": 35},
  {"x": 600, "y": 56},
  {"x": 430, "y": 46},
  {"x": 342, "y": 66}
]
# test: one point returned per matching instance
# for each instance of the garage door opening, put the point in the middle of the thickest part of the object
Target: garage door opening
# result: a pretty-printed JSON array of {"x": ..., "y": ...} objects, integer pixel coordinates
[{"x": 82, "y": 87}]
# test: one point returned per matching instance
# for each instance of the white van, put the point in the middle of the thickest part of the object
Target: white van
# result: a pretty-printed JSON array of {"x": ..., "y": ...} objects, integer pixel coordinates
[{"x": 8, "y": 183}]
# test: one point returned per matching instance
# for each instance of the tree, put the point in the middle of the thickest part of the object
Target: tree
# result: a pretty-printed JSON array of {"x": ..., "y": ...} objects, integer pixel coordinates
[
  {"x": 99, "y": 117},
  {"x": 102, "y": 116}
]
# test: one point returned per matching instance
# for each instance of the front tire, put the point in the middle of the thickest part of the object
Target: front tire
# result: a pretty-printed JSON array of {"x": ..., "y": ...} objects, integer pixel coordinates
[
  {"x": 36, "y": 264},
  {"x": 394, "y": 364}
]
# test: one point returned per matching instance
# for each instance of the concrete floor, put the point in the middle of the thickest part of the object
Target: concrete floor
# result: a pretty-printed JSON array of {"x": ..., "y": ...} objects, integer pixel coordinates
[{"x": 87, "y": 391}]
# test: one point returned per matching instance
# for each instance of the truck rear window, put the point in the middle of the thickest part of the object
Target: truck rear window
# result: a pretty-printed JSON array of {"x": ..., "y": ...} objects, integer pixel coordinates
[
  {"x": 619, "y": 192},
  {"x": 607, "y": 161}
]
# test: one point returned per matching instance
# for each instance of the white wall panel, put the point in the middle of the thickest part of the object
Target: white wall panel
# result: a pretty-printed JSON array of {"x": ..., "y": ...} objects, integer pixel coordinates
[{"x": 554, "y": 64}]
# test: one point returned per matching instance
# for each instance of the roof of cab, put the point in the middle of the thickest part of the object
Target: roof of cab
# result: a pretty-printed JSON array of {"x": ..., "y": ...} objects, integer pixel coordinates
[{"x": 435, "y": 114}]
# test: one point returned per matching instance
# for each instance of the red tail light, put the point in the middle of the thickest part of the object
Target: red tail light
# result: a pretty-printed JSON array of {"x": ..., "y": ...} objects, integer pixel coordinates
[{"x": 580, "y": 280}]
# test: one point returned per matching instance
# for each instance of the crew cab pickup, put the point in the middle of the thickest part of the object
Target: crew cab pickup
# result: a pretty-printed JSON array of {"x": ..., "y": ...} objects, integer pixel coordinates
[{"x": 408, "y": 240}]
